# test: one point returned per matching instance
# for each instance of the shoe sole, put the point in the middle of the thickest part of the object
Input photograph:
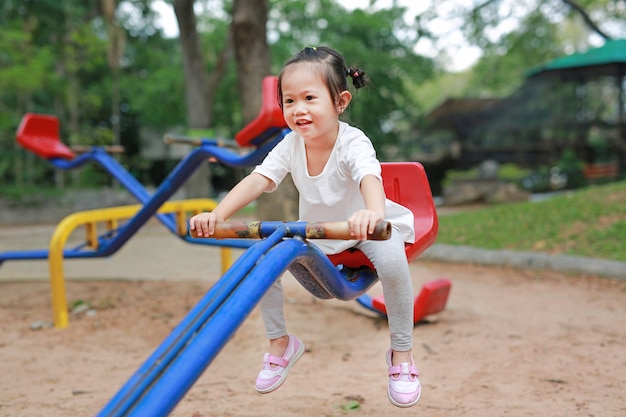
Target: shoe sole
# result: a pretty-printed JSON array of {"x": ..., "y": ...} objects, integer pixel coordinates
[
  {"x": 283, "y": 377},
  {"x": 397, "y": 404}
]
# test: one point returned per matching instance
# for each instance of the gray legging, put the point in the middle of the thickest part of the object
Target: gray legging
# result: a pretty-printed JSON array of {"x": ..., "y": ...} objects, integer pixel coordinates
[{"x": 389, "y": 259}]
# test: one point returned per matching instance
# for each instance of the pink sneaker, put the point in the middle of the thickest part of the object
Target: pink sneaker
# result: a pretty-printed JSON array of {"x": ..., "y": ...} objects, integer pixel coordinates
[
  {"x": 271, "y": 378},
  {"x": 404, "y": 390}
]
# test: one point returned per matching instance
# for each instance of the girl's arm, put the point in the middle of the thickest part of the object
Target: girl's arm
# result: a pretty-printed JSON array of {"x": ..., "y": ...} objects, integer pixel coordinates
[
  {"x": 364, "y": 221},
  {"x": 246, "y": 191}
]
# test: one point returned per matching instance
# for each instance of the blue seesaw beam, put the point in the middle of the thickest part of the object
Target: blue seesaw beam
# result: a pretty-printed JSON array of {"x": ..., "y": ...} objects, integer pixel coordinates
[
  {"x": 151, "y": 203},
  {"x": 166, "y": 376}
]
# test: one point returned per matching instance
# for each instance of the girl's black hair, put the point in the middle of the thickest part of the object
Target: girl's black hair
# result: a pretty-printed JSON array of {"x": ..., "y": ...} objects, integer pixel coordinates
[{"x": 334, "y": 70}]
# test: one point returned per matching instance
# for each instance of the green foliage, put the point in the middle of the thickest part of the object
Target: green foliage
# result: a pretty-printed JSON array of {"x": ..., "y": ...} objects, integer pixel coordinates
[
  {"x": 499, "y": 73},
  {"x": 535, "y": 180},
  {"x": 66, "y": 44},
  {"x": 25, "y": 195},
  {"x": 515, "y": 36},
  {"x": 62, "y": 46},
  {"x": 506, "y": 172},
  {"x": 92, "y": 176},
  {"x": 153, "y": 85},
  {"x": 588, "y": 222},
  {"x": 433, "y": 91},
  {"x": 572, "y": 166},
  {"x": 23, "y": 68},
  {"x": 54, "y": 61},
  {"x": 512, "y": 173},
  {"x": 380, "y": 42}
]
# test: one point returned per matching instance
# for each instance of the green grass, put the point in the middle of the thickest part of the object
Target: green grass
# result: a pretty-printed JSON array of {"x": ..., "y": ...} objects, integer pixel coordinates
[{"x": 587, "y": 222}]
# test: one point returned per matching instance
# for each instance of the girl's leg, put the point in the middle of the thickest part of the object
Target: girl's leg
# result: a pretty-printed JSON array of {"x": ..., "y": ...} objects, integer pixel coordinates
[
  {"x": 285, "y": 350},
  {"x": 271, "y": 306},
  {"x": 389, "y": 259}
]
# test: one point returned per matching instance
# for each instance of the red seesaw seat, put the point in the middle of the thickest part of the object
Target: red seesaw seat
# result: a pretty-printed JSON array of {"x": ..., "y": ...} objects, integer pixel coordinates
[
  {"x": 39, "y": 133},
  {"x": 406, "y": 183},
  {"x": 270, "y": 119}
]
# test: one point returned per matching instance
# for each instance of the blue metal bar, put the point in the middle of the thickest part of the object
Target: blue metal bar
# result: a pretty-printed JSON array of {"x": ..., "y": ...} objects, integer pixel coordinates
[
  {"x": 187, "y": 329},
  {"x": 151, "y": 203},
  {"x": 42, "y": 254},
  {"x": 228, "y": 243},
  {"x": 79, "y": 161},
  {"x": 175, "y": 180},
  {"x": 181, "y": 359},
  {"x": 229, "y": 158},
  {"x": 366, "y": 301},
  {"x": 23, "y": 255},
  {"x": 293, "y": 228},
  {"x": 323, "y": 279},
  {"x": 184, "y": 371},
  {"x": 168, "y": 187},
  {"x": 28, "y": 255},
  {"x": 110, "y": 164}
]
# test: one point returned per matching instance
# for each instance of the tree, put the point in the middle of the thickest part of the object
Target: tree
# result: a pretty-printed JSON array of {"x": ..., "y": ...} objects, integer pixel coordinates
[
  {"x": 62, "y": 30},
  {"x": 200, "y": 88},
  {"x": 19, "y": 57},
  {"x": 252, "y": 54},
  {"x": 515, "y": 36},
  {"x": 116, "y": 36},
  {"x": 196, "y": 78},
  {"x": 77, "y": 80}
]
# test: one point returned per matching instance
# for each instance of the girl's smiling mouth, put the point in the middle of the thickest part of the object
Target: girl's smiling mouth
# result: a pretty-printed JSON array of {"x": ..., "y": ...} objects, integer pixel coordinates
[{"x": 301, "y": 123}]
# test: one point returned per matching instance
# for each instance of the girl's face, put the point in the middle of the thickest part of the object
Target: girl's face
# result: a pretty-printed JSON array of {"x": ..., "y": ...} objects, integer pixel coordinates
[{"x": 308, "y": 108}]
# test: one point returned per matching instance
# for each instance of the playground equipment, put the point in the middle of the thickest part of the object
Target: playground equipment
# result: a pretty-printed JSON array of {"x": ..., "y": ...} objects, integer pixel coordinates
[
  {"x": 95, "y": 244},
  {"x": 40, "y": 134},
  {"x": 162, "y": 381},
  {"x": 405, "y": 183}
]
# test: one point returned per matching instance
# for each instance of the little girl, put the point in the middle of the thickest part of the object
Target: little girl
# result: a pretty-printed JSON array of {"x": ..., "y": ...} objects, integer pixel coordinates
[{"x": 334, "y": 168}]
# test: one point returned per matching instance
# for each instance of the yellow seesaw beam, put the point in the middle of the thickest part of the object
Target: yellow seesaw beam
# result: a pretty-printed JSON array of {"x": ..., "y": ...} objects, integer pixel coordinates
[{"x": 110, "y": 217}]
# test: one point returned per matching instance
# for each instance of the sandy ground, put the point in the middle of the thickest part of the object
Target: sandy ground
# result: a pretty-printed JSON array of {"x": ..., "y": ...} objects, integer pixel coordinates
[{"x": 510, "y": 342}]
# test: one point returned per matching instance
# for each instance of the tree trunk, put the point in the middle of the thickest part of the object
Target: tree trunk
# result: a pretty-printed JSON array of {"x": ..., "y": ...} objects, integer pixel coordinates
[
  {"x": 251, "y": 53},
  {"x": 199, "y": 104},
  {"x": 253, "y": 64}
]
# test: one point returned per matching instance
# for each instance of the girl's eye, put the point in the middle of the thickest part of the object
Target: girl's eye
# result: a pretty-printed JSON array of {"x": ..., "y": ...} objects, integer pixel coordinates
[
  {"x": 288, "y": 101},
  {"x": 309, "y": 98}
]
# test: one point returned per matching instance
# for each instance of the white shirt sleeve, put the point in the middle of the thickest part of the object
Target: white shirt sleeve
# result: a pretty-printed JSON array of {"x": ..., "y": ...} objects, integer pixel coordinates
[
  {"x": 277, "y": 163},
  {"x": 360, "y": 155}
]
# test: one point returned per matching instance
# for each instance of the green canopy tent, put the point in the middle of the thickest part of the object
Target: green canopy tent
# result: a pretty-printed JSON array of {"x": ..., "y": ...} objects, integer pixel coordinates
[
  {"x": 609, "y": 59},
  {"x": 599, "y": 80}
]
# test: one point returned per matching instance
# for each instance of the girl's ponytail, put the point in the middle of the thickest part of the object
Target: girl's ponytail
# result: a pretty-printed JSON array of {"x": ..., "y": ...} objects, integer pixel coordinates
[{"x": 359, "y": 80}]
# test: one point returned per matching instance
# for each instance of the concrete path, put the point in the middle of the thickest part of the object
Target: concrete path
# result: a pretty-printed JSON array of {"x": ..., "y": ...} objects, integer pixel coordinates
[{"x": 529, "y": 260}]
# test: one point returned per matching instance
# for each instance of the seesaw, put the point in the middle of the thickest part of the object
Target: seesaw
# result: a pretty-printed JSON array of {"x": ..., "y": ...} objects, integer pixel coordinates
[
  {"x": 405, "y": 183},
  {"x": 172, "y": 369},
  {"x": 40, "y": 134}
]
